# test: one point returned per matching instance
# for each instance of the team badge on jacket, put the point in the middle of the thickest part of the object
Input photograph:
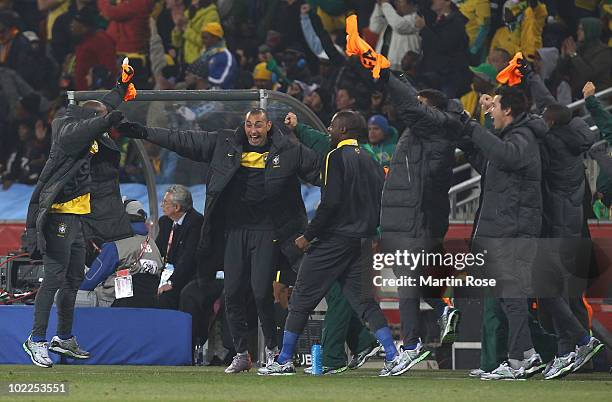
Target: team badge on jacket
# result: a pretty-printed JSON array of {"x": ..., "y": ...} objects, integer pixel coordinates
[
  {"x": 276, "y": 161},
  {"x": 61, "y": 229}
]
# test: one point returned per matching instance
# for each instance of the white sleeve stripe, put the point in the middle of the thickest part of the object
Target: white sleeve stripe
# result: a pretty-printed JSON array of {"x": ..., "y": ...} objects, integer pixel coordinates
[{"x": 225, "y": 72}]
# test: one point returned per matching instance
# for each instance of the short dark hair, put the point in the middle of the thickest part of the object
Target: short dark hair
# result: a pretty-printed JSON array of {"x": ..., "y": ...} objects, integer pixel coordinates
[
  {"x": 559, "y": 114},
  {"x": 352, "y": 93},
  {"x": 351, "y": 121},
  {"x": 257, "y": 111},
  {"x": 435, "y": 98},
  {"x": 512, "y": 98}
]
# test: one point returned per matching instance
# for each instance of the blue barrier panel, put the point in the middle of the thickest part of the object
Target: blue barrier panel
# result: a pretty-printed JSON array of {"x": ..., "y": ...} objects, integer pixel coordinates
[{"x": 111, "y": 335}]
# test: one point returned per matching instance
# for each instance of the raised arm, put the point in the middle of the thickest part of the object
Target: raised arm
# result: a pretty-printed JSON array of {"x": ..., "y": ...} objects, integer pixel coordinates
[
  {"x": 540, "y": 94},
  {"x": 195, "y": 145}
]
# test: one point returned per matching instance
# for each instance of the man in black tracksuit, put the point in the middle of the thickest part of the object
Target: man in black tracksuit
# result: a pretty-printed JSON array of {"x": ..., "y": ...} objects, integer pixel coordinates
[
  {"x": 55, "y": 223},
  {"x": 509, "y": 216},
  {"x": 338, "y": 243},
  {"x": 254, "y": 209},
  {"x": 565, "y": 252},
  {"x": 415, "y": 203}
]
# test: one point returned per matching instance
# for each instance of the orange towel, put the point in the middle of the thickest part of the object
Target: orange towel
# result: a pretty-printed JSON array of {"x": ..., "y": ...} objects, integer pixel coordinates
[
  {"x": 356, "y": 46},
  {"x": 127, "y": 72},
  {"x": 512, "y": 75}
]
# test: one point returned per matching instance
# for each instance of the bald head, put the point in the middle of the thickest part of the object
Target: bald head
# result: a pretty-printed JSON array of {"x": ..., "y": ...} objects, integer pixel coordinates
[{"x": 97, "y": 106}]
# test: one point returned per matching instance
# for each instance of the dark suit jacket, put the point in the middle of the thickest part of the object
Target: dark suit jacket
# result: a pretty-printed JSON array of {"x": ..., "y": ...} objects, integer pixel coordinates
[{"x": 183, "y": 249}]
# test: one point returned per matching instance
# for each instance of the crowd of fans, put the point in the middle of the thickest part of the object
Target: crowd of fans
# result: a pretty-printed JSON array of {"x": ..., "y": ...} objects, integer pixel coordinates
[{"x": 50, "y": 46}]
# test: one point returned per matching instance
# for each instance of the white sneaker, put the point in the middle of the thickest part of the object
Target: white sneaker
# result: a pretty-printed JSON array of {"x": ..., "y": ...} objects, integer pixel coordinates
[
  {"x": 270, "y": 355},
  {"x": 504, "y": 372},
  {"x": 38, "y": 352},
  {"x": 408, "y": 358}
]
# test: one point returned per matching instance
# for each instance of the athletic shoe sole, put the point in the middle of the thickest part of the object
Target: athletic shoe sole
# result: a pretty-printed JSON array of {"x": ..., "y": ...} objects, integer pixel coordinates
[
  {"x": 421, "y": 357},
  {"x": 27, "y": 350},
  {"x": 372, "y": 353},
  {"x": 66, "y": 353},
  {"x": 589, "y": 357},
  {"x": 276, "y": 374},
  {"x": 561, "y": 373},
  {"x": 534, "y": 370},
  {"x": 502, "y": 379},
  {"x": 450, "y": 332}
]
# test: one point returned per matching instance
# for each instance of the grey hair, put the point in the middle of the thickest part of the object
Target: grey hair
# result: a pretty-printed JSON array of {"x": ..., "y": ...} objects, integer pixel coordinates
[{"x": 181, "y": 196}]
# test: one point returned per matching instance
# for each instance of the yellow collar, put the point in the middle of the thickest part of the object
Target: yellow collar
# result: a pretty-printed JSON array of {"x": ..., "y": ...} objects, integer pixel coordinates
[{"x": 348, "y": 142}]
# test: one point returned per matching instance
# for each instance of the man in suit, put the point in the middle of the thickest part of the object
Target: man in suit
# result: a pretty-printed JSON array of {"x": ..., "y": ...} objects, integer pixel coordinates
[{"x": 179, "y": 233}]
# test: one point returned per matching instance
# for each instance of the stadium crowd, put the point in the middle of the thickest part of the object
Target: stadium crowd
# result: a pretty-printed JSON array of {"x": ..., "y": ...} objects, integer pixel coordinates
[{"x": 446, "y": 59}]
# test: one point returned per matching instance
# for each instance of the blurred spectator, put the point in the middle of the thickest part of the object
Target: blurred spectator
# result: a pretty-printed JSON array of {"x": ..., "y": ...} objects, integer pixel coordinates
[
  {"x": 589, "y": 60},
  {"x": 345, "y": 99},
  {"x": 603, "y": 121},
  {"x": 179, "y": 233},
  {"x": 319, "y": 102},
  {"x": 523, "y": 25},
  {"x": 53, "y": 9},
  {"x": 26, "y": 162},
  {"x": 262, "y": 77},
  {"x": 244, "y": 79},
  {"x": 478, "y": 14},
  {"x": 217, "y": 64},
  {"x": 382, "y": 139},
  {"x": 187, "y": 32},
  {"x": 498, "y": 58},
  {"x": 164, "y": 14},
  {"x": 410, "y": 63},
  {"x": 99, "y": 77},
  {"x": 484, "y": 82},
  {"x": 15, "y": 50},
  {"x": 61, "y": 39},
  {"x": 445, "y": 50},
  {"x": 94, "y": 47},
  {"x": 545, "y": 64},
  {"x": 396, "y": 29},
  {"x": 331, "y": 13},
  {"x": 128, "y": 26},
  {"x": 599, "y": 208},
  {"x": 45, "y": 80}
]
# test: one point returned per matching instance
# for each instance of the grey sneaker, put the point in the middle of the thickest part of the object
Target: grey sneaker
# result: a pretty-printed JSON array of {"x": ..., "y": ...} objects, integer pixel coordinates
[
  {"x": 240, "y": 363},
  {"x": 389, "y": 366},
  {"x": 327, "y": 370},
  {"x": 586, "y": 352},
  {"x": 38, "y": 352},
  {"x": 362, "y": 357},
  {"x": 270, "y": 355},
  {"x": 275, "y": 368},
  {"x": 533, "y": 366},
  {"x": 410, "y": 357},
  {"x": 448, "y": 325},
  {"x": 68, "y": 348},
  {"x": 560, "y": 367},
  {"x": 504, "y": 372},
  {"x": 476, "y": 373}
]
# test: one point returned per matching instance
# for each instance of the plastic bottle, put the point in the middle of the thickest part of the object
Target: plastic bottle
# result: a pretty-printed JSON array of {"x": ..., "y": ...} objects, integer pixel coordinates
[{"x": 316, "y": 353}]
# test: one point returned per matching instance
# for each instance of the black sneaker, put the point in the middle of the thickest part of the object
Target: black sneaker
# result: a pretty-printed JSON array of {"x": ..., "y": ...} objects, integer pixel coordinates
[
  {"x": 362, "y": 357},
  {"x": 68, "y": 348}
]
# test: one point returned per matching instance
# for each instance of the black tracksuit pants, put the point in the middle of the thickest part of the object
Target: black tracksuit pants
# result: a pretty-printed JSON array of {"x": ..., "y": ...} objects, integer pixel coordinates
[
  {"x": 64, "y": 261},
  {"x": 335, "y": 258},
  {"x": 251, "y": 258}
]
